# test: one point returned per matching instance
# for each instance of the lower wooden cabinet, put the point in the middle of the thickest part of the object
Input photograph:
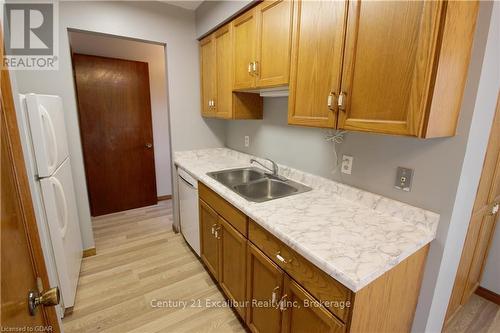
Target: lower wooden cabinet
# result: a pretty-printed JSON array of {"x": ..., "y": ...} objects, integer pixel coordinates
[
  {"x": 302, "y": 313},
  {"x": 277, "y": 290},
  {"x": 209, "y": 222},
  {"x": 232, "y": 264},
  {"x": 278, "y": 304},
  {"x": 264, "y": 291}
]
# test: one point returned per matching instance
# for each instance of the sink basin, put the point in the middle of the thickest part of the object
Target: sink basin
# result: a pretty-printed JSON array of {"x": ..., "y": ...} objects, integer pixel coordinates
[
  {"x": 234, "y": 177},
  {"x": 265, "y": 189},
  {"x": 255, "y": 185}
]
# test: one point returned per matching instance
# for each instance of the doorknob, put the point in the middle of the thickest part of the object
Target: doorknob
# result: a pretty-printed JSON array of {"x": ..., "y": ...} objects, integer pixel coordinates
[
  {"x": 495, "y": 208},
  {"x": 149, "y": 145},
  {"x": 49, "y": 297}
]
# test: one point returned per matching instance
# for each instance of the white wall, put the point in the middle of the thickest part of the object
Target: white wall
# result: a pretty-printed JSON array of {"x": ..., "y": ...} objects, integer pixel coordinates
[
  {"x": 491, "y": 275},
  {"x": 152, "y": 21},
  {"x": 438, "y": 163},
  {"x": 154, "y": 55},
  {"x": 210, "y": 14}
]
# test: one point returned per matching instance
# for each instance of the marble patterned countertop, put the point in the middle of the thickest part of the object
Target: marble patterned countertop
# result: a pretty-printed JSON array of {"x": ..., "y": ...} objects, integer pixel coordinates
[{"x": 353, "y": 235}]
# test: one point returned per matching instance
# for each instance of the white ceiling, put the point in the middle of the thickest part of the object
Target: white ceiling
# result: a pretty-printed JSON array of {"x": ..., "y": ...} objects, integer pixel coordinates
[{"x": 187, "y": 4}]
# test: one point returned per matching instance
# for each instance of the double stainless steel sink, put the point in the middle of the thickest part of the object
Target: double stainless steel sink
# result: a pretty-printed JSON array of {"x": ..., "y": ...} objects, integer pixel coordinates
[{"x": 256, "y": 185}]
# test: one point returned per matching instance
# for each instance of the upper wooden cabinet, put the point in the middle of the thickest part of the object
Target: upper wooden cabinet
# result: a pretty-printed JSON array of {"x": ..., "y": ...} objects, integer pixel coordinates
[
  {"x": 261, "y": 44},
  {"x": 208, "y": 79},
  {"x": 403, "y": 72},
  {"x": 318, "y": 42},
  {"x": 217, "y": 97}
]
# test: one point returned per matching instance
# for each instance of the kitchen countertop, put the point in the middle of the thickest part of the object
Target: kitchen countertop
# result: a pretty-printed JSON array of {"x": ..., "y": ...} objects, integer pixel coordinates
[{"x": 353, "y": 235}]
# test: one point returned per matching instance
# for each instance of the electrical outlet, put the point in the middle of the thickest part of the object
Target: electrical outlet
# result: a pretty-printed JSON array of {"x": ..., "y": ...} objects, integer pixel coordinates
[
  {"x": 247, "y": 141},
  {"x": 347, "y": 164},
  {"x": 403, "y": 179}
]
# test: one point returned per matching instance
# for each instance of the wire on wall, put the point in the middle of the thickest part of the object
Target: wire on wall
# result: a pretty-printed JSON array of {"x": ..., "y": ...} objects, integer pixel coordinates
[{"x": 336, "y": 137}]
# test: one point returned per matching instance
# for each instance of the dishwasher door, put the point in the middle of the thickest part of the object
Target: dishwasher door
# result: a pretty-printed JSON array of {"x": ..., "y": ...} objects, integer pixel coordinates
[{"x": 189, "y": 215}]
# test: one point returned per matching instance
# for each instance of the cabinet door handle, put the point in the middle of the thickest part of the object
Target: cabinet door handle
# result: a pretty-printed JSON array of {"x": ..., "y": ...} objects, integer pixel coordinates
[
  {"x": 217, "y": 235},
  {"x": 282, "y": 259},
  {"x": 329, "y": 102},
  {"x": 250, "y": 66},
  {"x": 341, "y": 101},
  {"x": 255, "y": 68},
  {"x": 213, "y": 228},
  {"x": 274, "y": 295},
  {"x": 282, "y": 303}
]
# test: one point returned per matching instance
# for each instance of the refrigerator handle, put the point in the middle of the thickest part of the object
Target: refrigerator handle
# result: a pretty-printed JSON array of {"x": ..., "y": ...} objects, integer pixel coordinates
[
  {"x": 45, "y": 115},
  {"x": 60, "y": 189}
]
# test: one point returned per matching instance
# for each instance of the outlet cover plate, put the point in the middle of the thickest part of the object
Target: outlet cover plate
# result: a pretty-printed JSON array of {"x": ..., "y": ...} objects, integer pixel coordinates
[
  {"x": 403, "y": 179},
  {"x": 347, "y": 164}
]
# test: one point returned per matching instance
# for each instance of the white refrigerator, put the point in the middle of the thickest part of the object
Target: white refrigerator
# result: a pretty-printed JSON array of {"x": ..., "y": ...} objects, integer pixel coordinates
[{"x": 51, "y": 167}]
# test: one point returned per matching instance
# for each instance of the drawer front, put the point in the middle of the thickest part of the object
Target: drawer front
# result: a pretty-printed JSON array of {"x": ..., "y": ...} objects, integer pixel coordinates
[
  {"x": 232, "y": 215},
  {"x": 337, "y": 298}
]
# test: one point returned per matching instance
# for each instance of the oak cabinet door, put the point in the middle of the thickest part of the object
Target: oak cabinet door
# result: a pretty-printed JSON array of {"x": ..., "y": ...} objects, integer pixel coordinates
[
  {"x": 208, "y": 76},
  {"x": 389, "y": 58},
  {"x": 232, "y": 258},
  {"x": 264, "y": 290},
  {"x": 209, "y": 229},
  {"x": 274, "y": 28},
  {"x": 224, "y": 83},
  {"x": 244, "y": 44},
  {"x": 316, "y": 63},
  {"x": 300, "y": 316}
]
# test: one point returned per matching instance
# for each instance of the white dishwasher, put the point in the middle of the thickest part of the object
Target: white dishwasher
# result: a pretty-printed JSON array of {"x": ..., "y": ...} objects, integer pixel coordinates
[{"x": 188, "y": 204}]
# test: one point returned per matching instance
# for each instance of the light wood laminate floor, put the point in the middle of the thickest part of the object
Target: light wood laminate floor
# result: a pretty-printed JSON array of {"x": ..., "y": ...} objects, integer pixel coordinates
[
  {"x": 139, "y": 260},
  {"x": 478, "y": 315}
]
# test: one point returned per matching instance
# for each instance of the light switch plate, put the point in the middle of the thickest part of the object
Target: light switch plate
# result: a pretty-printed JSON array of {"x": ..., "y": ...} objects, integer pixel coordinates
[
  {"x": 247, "y": 141},
  {"x": 403, "y": 179},
  {"x": 347, "y": 164}
]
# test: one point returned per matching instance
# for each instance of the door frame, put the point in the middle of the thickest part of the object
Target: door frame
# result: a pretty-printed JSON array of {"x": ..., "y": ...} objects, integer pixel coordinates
[
  {"x": 456, "y": 288},
  {"x": 14, "y": 147}
]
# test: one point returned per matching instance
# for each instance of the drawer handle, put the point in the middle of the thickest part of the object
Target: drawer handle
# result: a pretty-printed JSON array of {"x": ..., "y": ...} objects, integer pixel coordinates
[
  {"x": 282, "y": 303},
  {"x": 283, "y": 260},
  {"x": 274, "y": 295}
]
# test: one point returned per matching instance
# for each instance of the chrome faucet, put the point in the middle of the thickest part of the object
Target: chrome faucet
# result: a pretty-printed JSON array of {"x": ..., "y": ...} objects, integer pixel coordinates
[{"x": 274, "y": 170}]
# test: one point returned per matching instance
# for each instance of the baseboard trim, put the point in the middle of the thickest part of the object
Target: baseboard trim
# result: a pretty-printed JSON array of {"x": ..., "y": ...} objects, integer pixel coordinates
[
  {"x": 164, "y": 197},
  {"x": 68, "y": 311},
  {"x": 488, "y": 294},
  {"x": 89, "y": 252}
]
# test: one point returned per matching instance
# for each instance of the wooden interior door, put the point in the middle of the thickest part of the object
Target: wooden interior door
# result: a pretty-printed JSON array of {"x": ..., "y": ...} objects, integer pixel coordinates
[
  {"x": 244, "y": 43},
  {"x": 114, "y": 109},
  {"x": 264, "y": 284},
  {"x": 274, "y": 31},
  {"x": 21, "y": 253},
  {"x": 304, "y": 318},
  {"x": 232, "y": 258},
  {"x": 208, "y": 76},
  {"x": 388, "y": 64},
  {"x": 316, "y": 62},
  {"x": 209, "y": 222},
  {"x": 224, "y": 73},
  {"x": 482, "y": 225}
]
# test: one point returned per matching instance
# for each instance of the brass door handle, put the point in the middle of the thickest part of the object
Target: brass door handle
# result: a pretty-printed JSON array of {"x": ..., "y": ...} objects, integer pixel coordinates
[
  {"x": 341, "y": 101},
  {"x": 495, "y": 208},
  {"x": 274, "y": 295},
  {"x": 49, "y": 297},
  {"x": 329, "y": 102},
  {"x": 149, "y": 145},
  {"x": 282, "y": 259},
  {"x": 282, "y": 304}
]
